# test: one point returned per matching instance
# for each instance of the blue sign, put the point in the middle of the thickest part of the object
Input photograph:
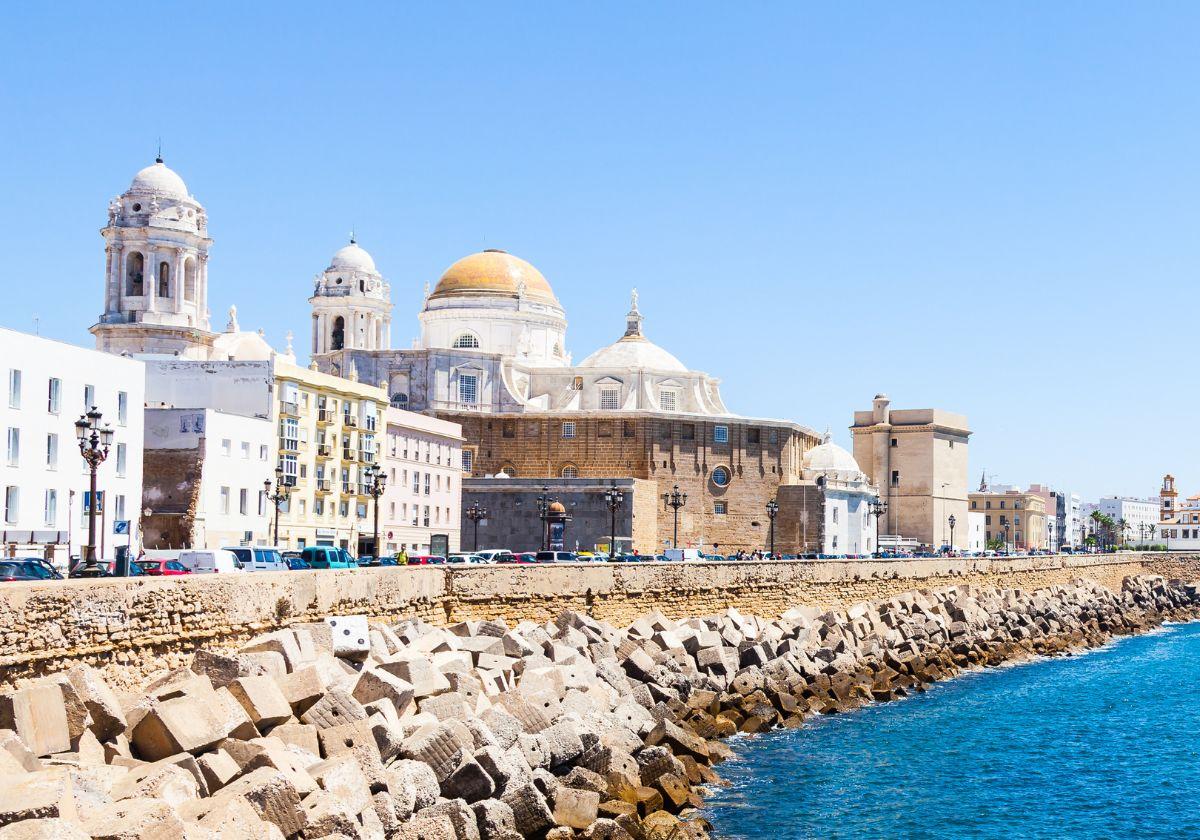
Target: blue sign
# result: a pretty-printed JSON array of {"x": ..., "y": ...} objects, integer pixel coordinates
[{"x": 121, "y": 526}]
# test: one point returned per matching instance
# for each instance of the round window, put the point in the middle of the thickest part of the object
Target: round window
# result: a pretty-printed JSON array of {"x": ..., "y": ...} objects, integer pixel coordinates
[
  {"x": 137, "y": 208},
  {"x": 720, "y": 477}
]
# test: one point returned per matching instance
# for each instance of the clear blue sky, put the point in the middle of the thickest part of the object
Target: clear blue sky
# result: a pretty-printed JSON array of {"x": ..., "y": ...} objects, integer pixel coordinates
[{"x": 987, "y": 208}]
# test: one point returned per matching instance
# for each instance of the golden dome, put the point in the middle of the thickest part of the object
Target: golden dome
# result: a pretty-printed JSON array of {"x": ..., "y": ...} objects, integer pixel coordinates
[{"x": 493, "y": 272}]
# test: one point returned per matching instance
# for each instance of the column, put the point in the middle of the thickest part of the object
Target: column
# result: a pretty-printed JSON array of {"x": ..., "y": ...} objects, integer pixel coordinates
[
  {"x": 150, "y": 277},
  {"x": 116, "y": 302},
  {"x": 202, "y": 292},
  {"x": 387, "y": 344},
  {"x": 177, "y": 279}
]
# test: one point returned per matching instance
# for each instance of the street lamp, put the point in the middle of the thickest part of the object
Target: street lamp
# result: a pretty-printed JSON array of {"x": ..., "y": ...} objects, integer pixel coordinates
[
  {"x": 614, "y": 498},
  {"x": 675, "y": 500},
  {"x": 952, "y": 521},
  {"x": 772, "y": 512},
  {"x": 282, "y": 490},
  {"x": 476, "y": 513},
  {"x": 94, "y": 443},
  {"x": 376, "y": 484},
  {"x": 543, "y": 506},
  {"x": 878, "y": 508},
  {"x": 1007, "y": 550}
]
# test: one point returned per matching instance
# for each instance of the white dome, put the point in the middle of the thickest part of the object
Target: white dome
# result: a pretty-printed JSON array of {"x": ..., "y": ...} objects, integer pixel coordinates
[
  {"x": 160, "y": 179},
  {"x": 634, "y": 352},
  {"x": 830, "y": 458},
  {"x": 353, "y": 258}
]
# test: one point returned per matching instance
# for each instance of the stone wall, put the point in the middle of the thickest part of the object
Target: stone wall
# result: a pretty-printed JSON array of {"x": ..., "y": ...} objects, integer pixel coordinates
[{"x": 135, "y": 627}]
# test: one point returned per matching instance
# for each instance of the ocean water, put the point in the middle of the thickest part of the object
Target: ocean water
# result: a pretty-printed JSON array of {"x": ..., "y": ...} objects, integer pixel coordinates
[{"x": 1104, "y": 744}]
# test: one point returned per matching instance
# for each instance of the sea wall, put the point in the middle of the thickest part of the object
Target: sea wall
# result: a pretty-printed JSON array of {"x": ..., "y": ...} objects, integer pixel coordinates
[{"x": 132, "y": 628}]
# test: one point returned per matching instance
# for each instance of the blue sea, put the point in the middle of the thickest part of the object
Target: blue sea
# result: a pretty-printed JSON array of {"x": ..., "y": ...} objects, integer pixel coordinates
[{"x": 1103, "y": 744}]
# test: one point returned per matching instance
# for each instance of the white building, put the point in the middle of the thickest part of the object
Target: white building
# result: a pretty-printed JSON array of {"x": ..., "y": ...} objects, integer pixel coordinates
[
  {"x": 848, "y": 527},
  {"x": 976, "y": 538},
  {"x": 45, "y": 481},
  {"x": 223, "y": 503},
  {"x": 1140, "y": 516},
  {"x": 422, "y": 458}
]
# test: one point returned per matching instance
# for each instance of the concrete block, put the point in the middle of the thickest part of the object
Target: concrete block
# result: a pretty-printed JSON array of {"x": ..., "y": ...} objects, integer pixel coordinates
[
  {"x": 46, "y": 828},
  {"x": 343, "y": 777},
  {"x": 182, "y": 724},
  {"x": 108, "y": 720},
  {"x": 38, "y": 715},
  {"x": 264, "y": 702},
  {"x": 425, "y": 680},
  {"x": 268, "y": 791},
  {"x": 575, "y": 808},
  {"x": 335, "y": 708},
  {"x": 378, "y": 684},
  {"x": 218, "y": 769},
  {"x": 301, "y": 735},
  {"x": 38, "y": 795},
  {"x": 469, "y": 782},
  {"x": 160, "y": 780},
  {"x": 303, "y": 687},
  {"x": 133, "y": 819},
  {"x": 530, "y": 812},
  {"x": 351, "y": 639}
]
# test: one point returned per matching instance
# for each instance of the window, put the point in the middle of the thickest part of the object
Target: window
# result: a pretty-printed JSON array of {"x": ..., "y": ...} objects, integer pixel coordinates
[
  {"x": 14, "y": 388},
  {"x": 50, "y": 513},
  {"x": 121, "y": 460},
  {"x": 243, "y": 501},
  {"x": 426, "y": 484},
  {"x": 568, "y": 429},
  {"x": 894, "y": 442},
  {"x": 604, "y": 429},
  {"x": 318, "y": 507},
  {"x": 570, "y": 471},
  {"x": 720, "y": 508},
  {"x": 468, "y": 458},
  {"x": 468, "y": 388},
  {"x": 509, "y": 430},
  {"x": 466, "y": 340},
  {"x": 688, "y": 431},
  {"x": 226, "y": 447},
  {"x": 720, "y": 434},
  {"x": 289, "y": 469},
  {"x": 610, "y": 399},
  {"x": 1002, "y": 503},
  {"x": 425, "y": 516},
  {"x": 895, "y": 478},
  {"x": 753, "y": 436},
  {"x": 628, "y": 429},
  {"x": 262, "y": 503},
  {"x": 122, "y": 408},
  {"x": 720, "y": 477},
  {"x": 987, "y": 520},
  {"x": 245, "y": 450},
  {"x": 89, "y": 396},
  {"x": 119, "y": 507},
  {"x": 987, "y": 505},
  {"x": 835, "y": 516},
  {"x": 262, "y": 452},
  {"x": 14, "y": 446},
  {"x": 974, "y": 504},
  {"x": 54, "y": 398},
  {"x": 224, "y": 503},
  {"x": 667, "y": 400},
  {"x": 51, "y": 451},
  {"x": 577, "y": 383},
  {"x": 12, "y": 504}
]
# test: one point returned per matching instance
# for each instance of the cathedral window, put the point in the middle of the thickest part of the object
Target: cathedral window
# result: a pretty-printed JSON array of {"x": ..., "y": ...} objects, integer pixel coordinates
[
  {"x": 466, "y": 340},
  {"x": 570, "y": 471},
  {"x": 610, "y": 399},
  {"x": 400, "y": 400},
  {"x": 468, "y": 459},
  {"x": 720, "y": 508},
  {"x": 134, "y": 268},
  {"x": 568, "y": 430},
  {"x": 720, "y": 434},
  {"x": 720, "y": 477},
  {"x": 339, "y": 333},
  {"x": 667, "y": 400},
  {"x": 164, "y": 280},
  {"x": 468, "y": 388}
]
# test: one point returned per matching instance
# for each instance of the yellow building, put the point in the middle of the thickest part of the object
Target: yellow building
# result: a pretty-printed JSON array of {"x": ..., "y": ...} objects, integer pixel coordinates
[
  {"x": 1014, "y": 518},
  {"x": 329, "y": 429}
]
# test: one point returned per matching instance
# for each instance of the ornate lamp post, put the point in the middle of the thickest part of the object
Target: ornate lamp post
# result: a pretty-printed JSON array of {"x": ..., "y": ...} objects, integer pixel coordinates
[
  {"x": 282, "y": 491},
  {"x": 675, "y": 500},
  {"x": 543, "y": 506},
  {"x": 376, "y": 484},
  {"x": 772, "y": 512},
  {"x": 878, "y": 508},
  {"x": 94, "y": 443},
  {"x": 1007, "y": 550},
  {"x": 952, "y": 520},
  {"x": 476, "y": 513},
  {"x": 614, "y": 497}
]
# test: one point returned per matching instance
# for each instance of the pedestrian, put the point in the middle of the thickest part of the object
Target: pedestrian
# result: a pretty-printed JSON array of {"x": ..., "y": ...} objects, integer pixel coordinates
[{"x": 402, "y": 557}]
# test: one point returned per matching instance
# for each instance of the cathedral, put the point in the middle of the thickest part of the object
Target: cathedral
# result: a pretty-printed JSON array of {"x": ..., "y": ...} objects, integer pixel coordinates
[{"x": 492, "y": 356}]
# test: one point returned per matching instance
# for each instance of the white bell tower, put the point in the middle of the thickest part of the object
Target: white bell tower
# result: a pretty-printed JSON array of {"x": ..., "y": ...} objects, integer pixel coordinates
[
  {"x": 351, "y": 304},
  {"x": 156, "y": 272}
]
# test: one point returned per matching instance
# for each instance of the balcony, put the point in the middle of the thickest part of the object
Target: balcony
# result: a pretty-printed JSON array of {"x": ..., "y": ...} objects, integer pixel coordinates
[
  {"x": 322, "y": 485},
  {"x": 289, "y": 408},
  {"x": 289, "y": 445},
  {"x": 366, "y": 457},
  {"x": 350, "y": 420},
  {"x": 347, "y": 488},
  {"x": 324, "y": 450},
  {"x": 325, "y": 417},
  {"x": 348, "y": 455}
]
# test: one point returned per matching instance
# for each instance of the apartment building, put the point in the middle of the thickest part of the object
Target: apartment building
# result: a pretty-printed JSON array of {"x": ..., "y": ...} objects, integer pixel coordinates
[
  {"x": 47, "y": 386},
  {"x": 1012, "y": 518},
  {"x": 422, "y": 504}
]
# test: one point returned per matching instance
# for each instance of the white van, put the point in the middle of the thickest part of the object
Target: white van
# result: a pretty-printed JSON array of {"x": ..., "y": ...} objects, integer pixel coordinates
[
  {"x": 210, "y": 561},
  {"x": 683, "y": 555},
  {"x": 258, "y": 558}
]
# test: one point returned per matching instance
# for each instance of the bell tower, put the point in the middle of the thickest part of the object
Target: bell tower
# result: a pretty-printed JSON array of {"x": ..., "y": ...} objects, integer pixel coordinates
[
  {"x": 156, "y": 270},
  {"x": 1166, "y": 499},
  {"x": 351, "y": 304}
]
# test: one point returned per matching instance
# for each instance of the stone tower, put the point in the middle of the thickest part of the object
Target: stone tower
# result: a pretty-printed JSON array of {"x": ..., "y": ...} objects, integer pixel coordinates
[
  {"x": 351, "y": 304},
  {"x": 1166, "y": 499},
  {"x": 156, "y": 271}
]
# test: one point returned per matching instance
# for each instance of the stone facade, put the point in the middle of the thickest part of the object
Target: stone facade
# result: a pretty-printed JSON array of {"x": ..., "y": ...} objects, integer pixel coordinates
[
  {"x": 1015, "y": 518},
  {"x": 135, "y": 628}
]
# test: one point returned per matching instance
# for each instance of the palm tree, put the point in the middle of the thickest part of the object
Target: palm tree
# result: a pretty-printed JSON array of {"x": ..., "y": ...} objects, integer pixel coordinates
[
  {"x": 1097, "y": 524},
  {"x": 1123, "y": 527}
]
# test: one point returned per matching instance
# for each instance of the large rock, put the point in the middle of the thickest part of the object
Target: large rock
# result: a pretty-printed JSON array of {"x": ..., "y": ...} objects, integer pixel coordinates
[
  {"x": 38, "y": 715},
  {"x": 181, "y": 724}
]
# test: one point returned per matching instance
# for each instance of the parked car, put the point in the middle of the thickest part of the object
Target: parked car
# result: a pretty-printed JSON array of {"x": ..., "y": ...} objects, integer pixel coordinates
[
  {"x": 526, "y": 557},
  {"x": 162, "y": 568},
  {"x": 259, "y": 558},
  {"x": 686, "y": 555},
  {"x": 16, "y": 571},
  {"x": 210, "y": 561},
  {"x": 497, "y": 555},
  {"x": 426, "y": 560},
  {"x": 106, "y": 569},
  {"x": 556, "y": 557},
  {"x": 327, "y": 557},
  {"x": 468, "y": 559},
  {"x": 43, "y": 567},
  {"x": 295, "y": 561}
]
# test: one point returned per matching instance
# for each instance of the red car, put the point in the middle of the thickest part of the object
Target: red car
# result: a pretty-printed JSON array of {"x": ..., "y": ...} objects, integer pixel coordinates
[
  {"x": 163, "y": 567},
  {"x": 526, "y": 557},
  {"x": 426, "y": 560}
]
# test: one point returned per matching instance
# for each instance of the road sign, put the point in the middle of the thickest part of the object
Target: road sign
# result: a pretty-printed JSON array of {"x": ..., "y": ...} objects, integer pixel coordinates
[{"x": 121, "y": 526}]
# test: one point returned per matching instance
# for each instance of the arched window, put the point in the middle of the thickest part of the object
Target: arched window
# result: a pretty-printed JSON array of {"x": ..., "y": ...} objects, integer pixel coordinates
[
  {"x": 189, "y": 280},
  {"x": 720, "y": 476},
  {"x": 339, "y": 333},
  {"x": 164, "y": 280},
  {"x": 509, "y": 470},
  {"x": 466, "y": 340},
  {"x": 362, "y": 286},
  {"x": 134, "y": 268},
  {"x": 570, "y": 471},
  {"x": 400, "y": 400}
]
